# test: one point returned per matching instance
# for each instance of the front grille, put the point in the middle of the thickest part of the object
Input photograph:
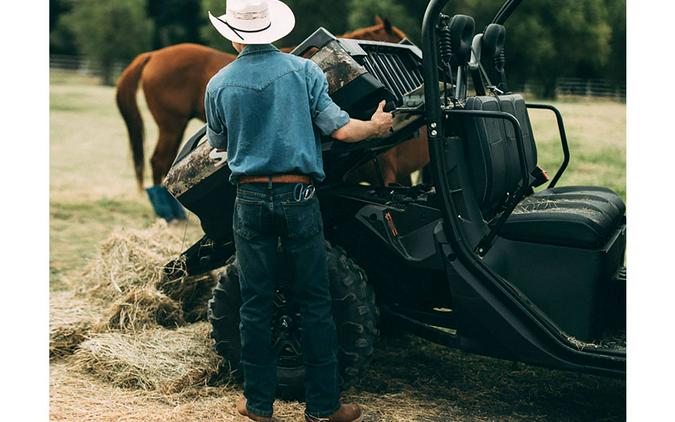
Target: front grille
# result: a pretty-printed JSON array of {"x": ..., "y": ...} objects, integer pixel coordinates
[
  {"x": 361, "y": 71},
  {"x": 398, "y": 69}
]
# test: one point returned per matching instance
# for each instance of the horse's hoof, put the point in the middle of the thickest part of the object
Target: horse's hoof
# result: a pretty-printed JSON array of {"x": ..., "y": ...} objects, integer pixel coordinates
[{"x": 164, "y": 204}]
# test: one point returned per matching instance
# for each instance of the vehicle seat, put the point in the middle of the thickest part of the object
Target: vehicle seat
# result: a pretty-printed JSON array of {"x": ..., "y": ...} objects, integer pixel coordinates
[
  {"x": 560, "y": 247},
  {"x": 492, "y": 150},
  {"x": 576, "y": 216}
]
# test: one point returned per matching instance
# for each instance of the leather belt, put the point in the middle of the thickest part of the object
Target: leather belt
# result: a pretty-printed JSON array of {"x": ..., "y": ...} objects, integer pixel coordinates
[{"x": 279, "y": 178}]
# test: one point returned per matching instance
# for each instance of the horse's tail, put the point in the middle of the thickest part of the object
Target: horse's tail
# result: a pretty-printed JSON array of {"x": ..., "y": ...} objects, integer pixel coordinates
[{"x": 126, "y": 103}]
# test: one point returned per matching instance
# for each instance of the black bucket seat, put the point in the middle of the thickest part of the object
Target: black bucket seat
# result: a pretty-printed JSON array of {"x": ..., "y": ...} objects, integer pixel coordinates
[{"x": 578, "y": 216}]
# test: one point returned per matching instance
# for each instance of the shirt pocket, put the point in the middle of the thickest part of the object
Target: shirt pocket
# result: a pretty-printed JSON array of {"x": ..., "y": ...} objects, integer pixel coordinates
[
  {"x": 247, "y": 218},
  {"x": 303, "y": 218}
]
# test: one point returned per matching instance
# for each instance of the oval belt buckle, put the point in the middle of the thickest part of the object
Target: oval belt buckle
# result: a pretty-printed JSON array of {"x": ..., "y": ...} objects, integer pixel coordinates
[
  {"x": 298, "y": 192},
  {"x": 309, "y": 192}
]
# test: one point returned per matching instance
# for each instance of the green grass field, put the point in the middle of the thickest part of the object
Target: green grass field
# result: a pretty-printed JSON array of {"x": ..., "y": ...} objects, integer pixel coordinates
[
  {"x": 596, "y": 131},
  {"x": 92, "y": 187},
  {"x": 93, "y": 191}
]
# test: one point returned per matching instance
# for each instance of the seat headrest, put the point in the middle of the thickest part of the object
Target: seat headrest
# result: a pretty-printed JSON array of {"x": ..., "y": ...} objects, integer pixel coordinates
[
  {"x": 492, "y": 54},
  {"x": 461, "y": 33}
]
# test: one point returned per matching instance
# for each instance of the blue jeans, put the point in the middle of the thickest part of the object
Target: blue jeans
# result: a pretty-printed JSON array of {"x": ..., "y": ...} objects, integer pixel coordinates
[{"x": 264, "y": 213}]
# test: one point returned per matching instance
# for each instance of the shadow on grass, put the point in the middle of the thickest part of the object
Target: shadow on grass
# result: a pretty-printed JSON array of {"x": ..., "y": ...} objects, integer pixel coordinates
[{"x": 470, "y": 387}]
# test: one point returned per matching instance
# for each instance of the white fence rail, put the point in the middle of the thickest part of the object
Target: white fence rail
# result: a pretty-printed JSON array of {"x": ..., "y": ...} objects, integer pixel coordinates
[
  {"x": 578, "y": 87},
  {"x": 81, "y": 65},
  {"x": 566, "y": 87},
  {"x": 591, "y": 88}
]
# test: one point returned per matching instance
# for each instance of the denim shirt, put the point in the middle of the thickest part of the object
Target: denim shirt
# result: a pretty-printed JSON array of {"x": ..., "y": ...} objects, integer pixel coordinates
[{"x": 268, "y": 109}]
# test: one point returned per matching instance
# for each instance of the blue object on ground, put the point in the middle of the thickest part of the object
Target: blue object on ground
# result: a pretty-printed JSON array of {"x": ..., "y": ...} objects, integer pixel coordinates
[{"x": 164, "y": 204}]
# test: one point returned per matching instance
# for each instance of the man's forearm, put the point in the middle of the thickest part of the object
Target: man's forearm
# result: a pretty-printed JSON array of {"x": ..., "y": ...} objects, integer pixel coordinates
[{"x": 356, "y": 130}]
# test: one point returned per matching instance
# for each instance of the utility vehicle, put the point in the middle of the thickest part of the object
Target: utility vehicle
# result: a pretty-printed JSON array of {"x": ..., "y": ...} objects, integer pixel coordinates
[{"x": 476, "y": 257}]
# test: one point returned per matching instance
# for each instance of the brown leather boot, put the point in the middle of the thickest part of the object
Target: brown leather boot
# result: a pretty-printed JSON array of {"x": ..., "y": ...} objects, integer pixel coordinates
[
  {"x": 346, "y": 413},
  {"x": 241, "y": 408}
]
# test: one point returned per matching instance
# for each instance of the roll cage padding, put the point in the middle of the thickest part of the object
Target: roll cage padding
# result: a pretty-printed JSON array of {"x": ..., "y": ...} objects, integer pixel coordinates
[
  {"x": 493, "y": 58},
  {"x": 462, "y": 28}
]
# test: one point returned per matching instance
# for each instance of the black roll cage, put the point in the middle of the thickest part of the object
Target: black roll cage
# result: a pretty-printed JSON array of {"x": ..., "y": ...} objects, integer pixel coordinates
[{"x": 538, "y": 327}]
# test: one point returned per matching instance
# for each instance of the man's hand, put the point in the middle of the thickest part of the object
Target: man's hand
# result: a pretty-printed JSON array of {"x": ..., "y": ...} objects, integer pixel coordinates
[
  {"x": 357, "y": 130},
  {"x": 382, "y": 120}
]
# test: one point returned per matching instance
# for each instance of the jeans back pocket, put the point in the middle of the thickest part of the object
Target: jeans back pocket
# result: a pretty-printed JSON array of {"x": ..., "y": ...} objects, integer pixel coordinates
[
  {"x": 303, "y": 218},
  {"x": 247, "y": 217}
]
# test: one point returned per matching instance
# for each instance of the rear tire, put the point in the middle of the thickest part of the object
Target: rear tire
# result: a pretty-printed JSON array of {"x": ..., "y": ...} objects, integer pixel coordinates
[{"x": 354, "y": 311}]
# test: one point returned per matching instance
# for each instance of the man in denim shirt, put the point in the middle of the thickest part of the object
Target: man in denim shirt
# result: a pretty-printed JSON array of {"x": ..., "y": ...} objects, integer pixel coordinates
[{"x": 268, "y": 110}]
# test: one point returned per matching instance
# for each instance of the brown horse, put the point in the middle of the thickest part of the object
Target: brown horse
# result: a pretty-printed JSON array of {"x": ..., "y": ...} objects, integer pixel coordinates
[
  {"x": 396, "y": 164},
  {"x": 174, "y": 80}
]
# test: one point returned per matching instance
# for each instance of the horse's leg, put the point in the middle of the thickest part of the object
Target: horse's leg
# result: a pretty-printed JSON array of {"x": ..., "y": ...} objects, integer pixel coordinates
[
  {"x": 170, "y": 134},
  {"x": 412, "y": 155},
  {"x": 389, "y": 164}
]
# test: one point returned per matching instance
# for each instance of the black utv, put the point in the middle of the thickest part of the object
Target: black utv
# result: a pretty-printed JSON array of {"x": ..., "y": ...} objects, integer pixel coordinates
[{"x": 472, "y": 258}]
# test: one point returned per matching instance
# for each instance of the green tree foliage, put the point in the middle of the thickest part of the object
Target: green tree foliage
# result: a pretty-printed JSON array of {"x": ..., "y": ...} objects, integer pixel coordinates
[
  {"x": 311, "y": 14},
  {"x": 547, "y": 39},
  {"x": 616, "y": 65},
  {"x": 208, "y": 33},
  {"x": 363, "y": 12},
  {"x": 61, "y": 40},
  {"x": 110, "y": 31},
  {"x": 176, "y": 21}
]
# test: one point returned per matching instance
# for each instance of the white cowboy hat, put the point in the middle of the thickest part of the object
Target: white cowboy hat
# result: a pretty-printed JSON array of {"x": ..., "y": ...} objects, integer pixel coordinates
[{"x": 254, "y": 21}]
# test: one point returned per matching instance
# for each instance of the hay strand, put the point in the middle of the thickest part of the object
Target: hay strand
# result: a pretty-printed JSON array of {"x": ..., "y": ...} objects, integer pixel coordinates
[
  {"x": 71, "y": 319},
  {"x": 168, "y": 361},
  {"x": 130, "y": 259},
  {"x": 192, "y": 292},
  {"x": 143, "y": 308}
]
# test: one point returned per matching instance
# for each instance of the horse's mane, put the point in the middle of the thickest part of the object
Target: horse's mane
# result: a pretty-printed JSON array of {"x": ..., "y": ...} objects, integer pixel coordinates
[
  {"x": 363, "y": 33},
  {"x": 359, "y": 33}
]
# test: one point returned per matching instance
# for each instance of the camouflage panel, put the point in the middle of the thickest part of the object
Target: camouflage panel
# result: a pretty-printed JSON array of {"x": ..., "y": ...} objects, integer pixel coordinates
[
  {"x": 340, "y": 68},
  {"x": 197, "y": 166}
]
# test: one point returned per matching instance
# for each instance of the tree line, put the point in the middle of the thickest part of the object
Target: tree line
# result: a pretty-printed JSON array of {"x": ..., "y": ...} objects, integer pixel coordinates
[{"x": 546, "y": 39}]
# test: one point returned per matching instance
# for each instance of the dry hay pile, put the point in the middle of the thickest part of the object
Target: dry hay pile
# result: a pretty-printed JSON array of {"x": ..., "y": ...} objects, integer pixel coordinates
[
  {"x": 168, "y": 361},
  {"x": 130, "y": 259},
  {"x": 129, "y": 270},
  {"x": 123, "y": 288},
  {"x": 70, "y": 320},
  {"x": 137, "y": 357},
  {"x": 144, "y": 308},
  {"x": 77, "y": 396},
  {"x": 124, "y": 325},
  {"x": 192, "y": 292},
  {"x": 126, "y": 347}
]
